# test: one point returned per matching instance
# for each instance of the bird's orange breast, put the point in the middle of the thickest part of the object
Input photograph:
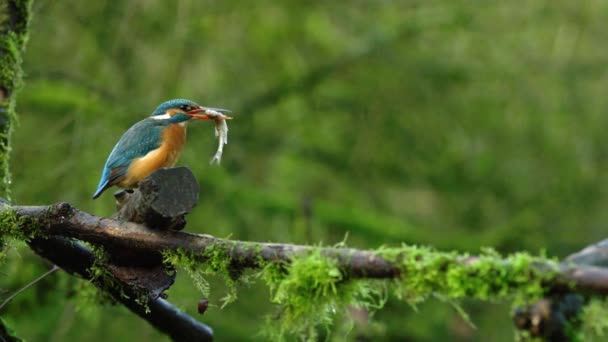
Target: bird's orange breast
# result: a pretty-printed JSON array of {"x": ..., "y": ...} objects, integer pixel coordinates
[{"x": 173, "y": 140}]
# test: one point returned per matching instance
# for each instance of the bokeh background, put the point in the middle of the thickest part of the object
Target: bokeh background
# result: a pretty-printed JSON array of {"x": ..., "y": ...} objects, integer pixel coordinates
[{"x": 455, "y": 124}]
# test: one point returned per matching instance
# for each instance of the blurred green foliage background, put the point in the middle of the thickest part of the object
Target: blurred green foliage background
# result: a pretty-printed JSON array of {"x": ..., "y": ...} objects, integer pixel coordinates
[{"x": 455, "y": 124}]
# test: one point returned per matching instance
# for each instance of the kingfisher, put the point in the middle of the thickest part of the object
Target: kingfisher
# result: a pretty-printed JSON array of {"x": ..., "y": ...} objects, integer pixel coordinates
[{"x": 152, "y": 143}]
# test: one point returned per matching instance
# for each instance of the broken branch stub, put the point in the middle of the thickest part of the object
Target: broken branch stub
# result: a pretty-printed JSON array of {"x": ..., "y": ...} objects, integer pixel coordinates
[{"x": 162, "y": 200}]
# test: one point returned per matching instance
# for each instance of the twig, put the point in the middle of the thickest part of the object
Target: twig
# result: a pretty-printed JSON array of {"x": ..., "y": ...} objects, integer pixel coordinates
[{"x": 32, "y": 283}]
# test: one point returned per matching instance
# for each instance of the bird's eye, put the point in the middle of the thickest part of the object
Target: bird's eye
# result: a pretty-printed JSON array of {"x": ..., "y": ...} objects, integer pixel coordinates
[{"x": 185, "y": 107}]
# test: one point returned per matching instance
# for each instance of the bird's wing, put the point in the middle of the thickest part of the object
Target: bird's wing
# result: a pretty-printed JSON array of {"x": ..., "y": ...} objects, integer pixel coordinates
[{"x": 141, "y": 138}]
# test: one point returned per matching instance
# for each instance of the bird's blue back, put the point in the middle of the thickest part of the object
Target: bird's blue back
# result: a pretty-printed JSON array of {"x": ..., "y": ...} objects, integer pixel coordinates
[{"x": 141, "y": 138}]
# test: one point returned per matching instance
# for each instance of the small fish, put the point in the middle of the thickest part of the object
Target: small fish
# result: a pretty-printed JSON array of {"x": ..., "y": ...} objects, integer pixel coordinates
[{"x": 221, "y": 132}]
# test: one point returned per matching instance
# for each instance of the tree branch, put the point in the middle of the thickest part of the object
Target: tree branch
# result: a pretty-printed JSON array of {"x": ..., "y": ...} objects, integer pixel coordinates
[
  {"x": 553, "y": 317},
  {"x": 163, "y": 200},
  {"x": 129, "y": 282},
  {"x": 63, "y": 219},
  {"x": 77, "y": 259}
]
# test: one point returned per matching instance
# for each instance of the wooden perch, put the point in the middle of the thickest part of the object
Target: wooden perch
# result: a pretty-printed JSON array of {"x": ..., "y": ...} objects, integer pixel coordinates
[
  {"x": 145, "y": 244},
  {"x": 162, "y": 200},
  {"x": 63, "y": 219},
  {"x": 158, "y": 203}
]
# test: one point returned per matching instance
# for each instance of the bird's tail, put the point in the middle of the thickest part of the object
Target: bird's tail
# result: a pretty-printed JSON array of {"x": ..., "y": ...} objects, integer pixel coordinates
[{"x": 103, "y": 183}]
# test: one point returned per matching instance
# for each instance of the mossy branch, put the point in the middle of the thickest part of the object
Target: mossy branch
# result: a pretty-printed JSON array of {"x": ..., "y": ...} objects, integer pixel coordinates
[
  {"x": 62, "y": 219},
  {"x": 306, "y": 279},
  {"x": 310, "y": 283}
]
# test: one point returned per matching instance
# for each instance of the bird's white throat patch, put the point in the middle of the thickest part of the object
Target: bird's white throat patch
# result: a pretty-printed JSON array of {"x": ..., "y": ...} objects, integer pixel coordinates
[
  {"x": 161, "y": 117},
  {"x": 167, "y": 116}
]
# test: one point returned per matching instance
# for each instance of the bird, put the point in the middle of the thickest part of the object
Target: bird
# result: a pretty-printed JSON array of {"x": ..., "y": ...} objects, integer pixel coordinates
[{"x": 152, "y": 143}]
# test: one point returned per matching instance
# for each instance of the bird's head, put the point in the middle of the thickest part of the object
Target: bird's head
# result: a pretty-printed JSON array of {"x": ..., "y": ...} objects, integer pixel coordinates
[{"x": 181, "y": 110}]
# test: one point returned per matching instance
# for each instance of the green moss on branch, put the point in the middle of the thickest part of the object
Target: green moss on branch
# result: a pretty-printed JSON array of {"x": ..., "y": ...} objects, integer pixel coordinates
[
  {"x": 488, "y": 276},
  {"x": 14, "y": 21},
  {"x": 17, "y": 227},
  {"x": 312, "y": 289},
  {"x": 594, "y": 321},
  {"x": 313, "y": 292},
  {"x": 213, "y": 261}
]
